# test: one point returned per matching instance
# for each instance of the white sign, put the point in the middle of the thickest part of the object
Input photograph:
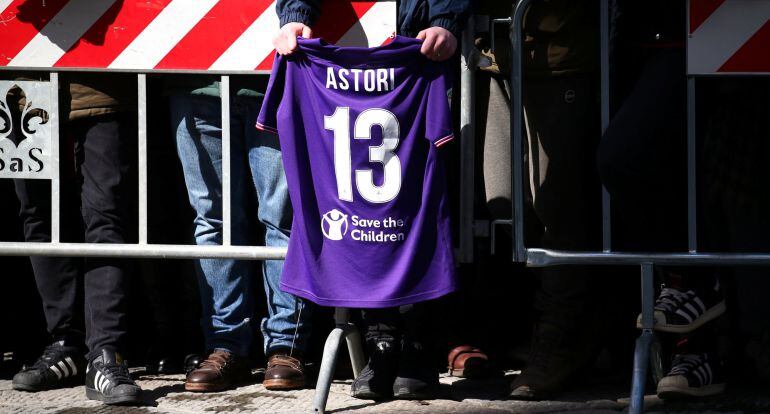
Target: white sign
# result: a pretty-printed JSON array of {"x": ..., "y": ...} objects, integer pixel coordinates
[{"x": 25, "y": 130}]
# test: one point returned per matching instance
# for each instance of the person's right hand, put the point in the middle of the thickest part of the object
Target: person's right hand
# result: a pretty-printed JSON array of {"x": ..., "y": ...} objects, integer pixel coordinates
[{"x": 286, "y": 40}]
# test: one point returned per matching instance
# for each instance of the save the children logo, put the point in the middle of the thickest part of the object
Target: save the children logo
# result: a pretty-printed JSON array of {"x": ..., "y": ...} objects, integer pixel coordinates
[
  {"x": 25, "y": 130},
  {"x": 334, "y": 224}
]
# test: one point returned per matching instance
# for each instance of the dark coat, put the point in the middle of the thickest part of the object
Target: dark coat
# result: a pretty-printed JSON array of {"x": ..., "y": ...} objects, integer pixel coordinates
[{"x": 413, "y": 15}]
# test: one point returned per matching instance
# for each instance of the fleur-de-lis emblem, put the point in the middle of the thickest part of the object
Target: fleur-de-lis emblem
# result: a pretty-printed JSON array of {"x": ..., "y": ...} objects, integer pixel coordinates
[{"x": 16, "y": 111}]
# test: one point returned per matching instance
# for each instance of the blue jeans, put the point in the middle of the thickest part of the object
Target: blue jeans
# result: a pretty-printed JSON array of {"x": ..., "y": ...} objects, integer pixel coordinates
[{"x": 226, "y": 297}]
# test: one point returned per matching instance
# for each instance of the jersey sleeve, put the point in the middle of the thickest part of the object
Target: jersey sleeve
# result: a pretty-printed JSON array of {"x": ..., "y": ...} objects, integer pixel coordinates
[
  {"x": 438, "y": 125},
  {"x": 267, "y": 118}
]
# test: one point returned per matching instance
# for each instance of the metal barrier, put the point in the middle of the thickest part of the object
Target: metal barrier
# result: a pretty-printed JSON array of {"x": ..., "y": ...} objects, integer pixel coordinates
[
  {"x": 160, "y": 33},
  {"x": 536, "y": 257},
  {"x": 142, "y": 249}
]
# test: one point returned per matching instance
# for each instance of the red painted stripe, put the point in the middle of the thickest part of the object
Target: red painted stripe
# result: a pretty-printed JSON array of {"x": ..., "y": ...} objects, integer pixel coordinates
[
  {"x": 337, "y": 17},
  {"x": 211, "y": 36},
  {"x": 700, "y": 10},
  {"x": 112, "y": 33},
  {"x": 753, "y": 56},
  {"x": 21, "y": 21},
  {"x": 267, "y": 63}
]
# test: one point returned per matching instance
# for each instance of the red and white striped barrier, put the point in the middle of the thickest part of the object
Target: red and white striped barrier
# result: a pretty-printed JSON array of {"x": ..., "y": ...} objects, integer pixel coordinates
[
  {"x": 156, "y": 35},
  {"x": 728, "y": 37}
]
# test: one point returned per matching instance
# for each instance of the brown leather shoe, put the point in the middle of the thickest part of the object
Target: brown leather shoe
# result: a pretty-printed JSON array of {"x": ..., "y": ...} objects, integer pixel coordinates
[
  {"x": 284, "y": 372},
  {"x": 468, "y": 362},
  {"x": 221, "y": 370}
]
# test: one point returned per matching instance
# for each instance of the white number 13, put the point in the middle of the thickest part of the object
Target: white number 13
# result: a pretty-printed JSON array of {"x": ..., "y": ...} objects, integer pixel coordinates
[{"x": 384, "y": 154}]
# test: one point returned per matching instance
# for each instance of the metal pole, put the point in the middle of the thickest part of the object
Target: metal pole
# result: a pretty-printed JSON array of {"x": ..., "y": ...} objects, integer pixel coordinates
[
  {"x": 224, "y": 92},
  {"x": 154, "y": 251},
  {"x": 692, "y": 205},
  {"x": 329, "y": 359},
  {"x": 604, "y": 14},
  {"x": 142, "y": 144},
  {"x": 517, "y": 108},
  {"x": 642, "y": 351},
  {"x": 55, "y": 181},
  {"x": 467, "y": 143},
  {"x": 353, "y": 338}
]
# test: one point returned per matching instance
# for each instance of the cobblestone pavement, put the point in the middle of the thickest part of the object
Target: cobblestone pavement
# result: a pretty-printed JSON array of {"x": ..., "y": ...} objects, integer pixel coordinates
[{"x": 165, "y": 394}]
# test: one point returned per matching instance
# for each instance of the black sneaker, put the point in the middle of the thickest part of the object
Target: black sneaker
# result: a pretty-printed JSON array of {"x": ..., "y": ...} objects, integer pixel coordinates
[
  {"x": 375, "y": 381},
  {"x": 108, "y": 380},
  {"x": 417, "y": 377},
  {"x": 692, "y": 375},
  {"x": 680, "y": 311},
  {"x": 59, "y": 366}
]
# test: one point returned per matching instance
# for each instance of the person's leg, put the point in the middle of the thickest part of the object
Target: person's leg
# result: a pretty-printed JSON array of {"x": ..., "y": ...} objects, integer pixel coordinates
[
  {"x": 641, "y": 159},
  {"x": 497, "y": 147},
  {"x": 57, "y": 278},
  {"x": 106, "y": 205},
  {"x": 59, "y": 284},
  {"x": 286, "y": 328},
  {"x": 382, "y": 337},
  {"x": 224, "y": 284},
  {"x": 565, "y": 194},
  {"x": 105, "y": 150}
]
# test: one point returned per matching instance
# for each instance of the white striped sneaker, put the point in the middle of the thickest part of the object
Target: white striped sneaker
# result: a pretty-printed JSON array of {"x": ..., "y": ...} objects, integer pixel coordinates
[
  {"x": 59, "y": 366},
  {"x": 108, "y": 380},
  {"x": 692, "y": 375},
  {"x": 679, "y": 311}
]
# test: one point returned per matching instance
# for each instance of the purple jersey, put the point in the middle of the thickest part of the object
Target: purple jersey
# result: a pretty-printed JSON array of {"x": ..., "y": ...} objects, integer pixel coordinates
[{"x": 359, "y": 131}]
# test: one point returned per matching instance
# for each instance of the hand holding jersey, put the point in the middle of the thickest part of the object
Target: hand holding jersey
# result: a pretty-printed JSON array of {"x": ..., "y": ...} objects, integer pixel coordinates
[{"x": 285, "y": 41}]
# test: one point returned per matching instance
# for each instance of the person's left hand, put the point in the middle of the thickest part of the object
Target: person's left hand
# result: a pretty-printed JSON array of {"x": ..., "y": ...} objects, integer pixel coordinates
[{"x": 438, "y": 44}]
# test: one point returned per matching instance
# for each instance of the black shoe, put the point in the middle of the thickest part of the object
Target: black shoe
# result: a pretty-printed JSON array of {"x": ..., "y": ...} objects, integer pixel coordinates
[
  {"x": 692, "y": 375},
  {"x": 108, "y": 380},
  {"x": 59, "y": 366},
  {"x": 375, "y": 382},
  {"x": 417, "y": 377},
  {"x": 191, "y": 362},
  {"x": 682, "y": 311}
]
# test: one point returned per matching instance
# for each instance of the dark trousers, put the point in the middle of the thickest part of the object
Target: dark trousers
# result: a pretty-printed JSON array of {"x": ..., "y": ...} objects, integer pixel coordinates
[
  {"x": 642, "y": 159},
  {"x": 95, "y": 176},
  {"x": 407, "y": 321},
  {"x": 561, "y": 128}
]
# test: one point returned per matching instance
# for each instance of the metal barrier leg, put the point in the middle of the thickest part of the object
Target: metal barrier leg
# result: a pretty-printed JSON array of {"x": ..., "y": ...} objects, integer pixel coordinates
[
  {"x": 467, "y": 144},
  {"x": 326, "y": 373},
  {"x": 643, "y": 343},
  {"x": 353, "y": 338},
  {"x": 641, "y": 363},
  {"x": 348, "y": 331}
]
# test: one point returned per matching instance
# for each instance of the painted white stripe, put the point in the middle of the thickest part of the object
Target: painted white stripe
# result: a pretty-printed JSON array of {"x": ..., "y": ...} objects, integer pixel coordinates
[
  {"x": 253, "y": 46},
  {"x": 72, "y": 366},
  {"x": 4, "y": 4},
  {"x": 50, "y": 44},
  {"x": 64, "y": 368},
  {"x": 724, "y": 32},
  {"x": 376, "y": 25},
  {"x": 55, "y": 371},
  {"x": 103, "y": 381},
  {"x": 162, "y": 34}
]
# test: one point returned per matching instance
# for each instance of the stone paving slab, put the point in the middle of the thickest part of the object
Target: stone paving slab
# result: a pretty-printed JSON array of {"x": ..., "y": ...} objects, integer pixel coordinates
[{"x": 165, "y": 394}]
